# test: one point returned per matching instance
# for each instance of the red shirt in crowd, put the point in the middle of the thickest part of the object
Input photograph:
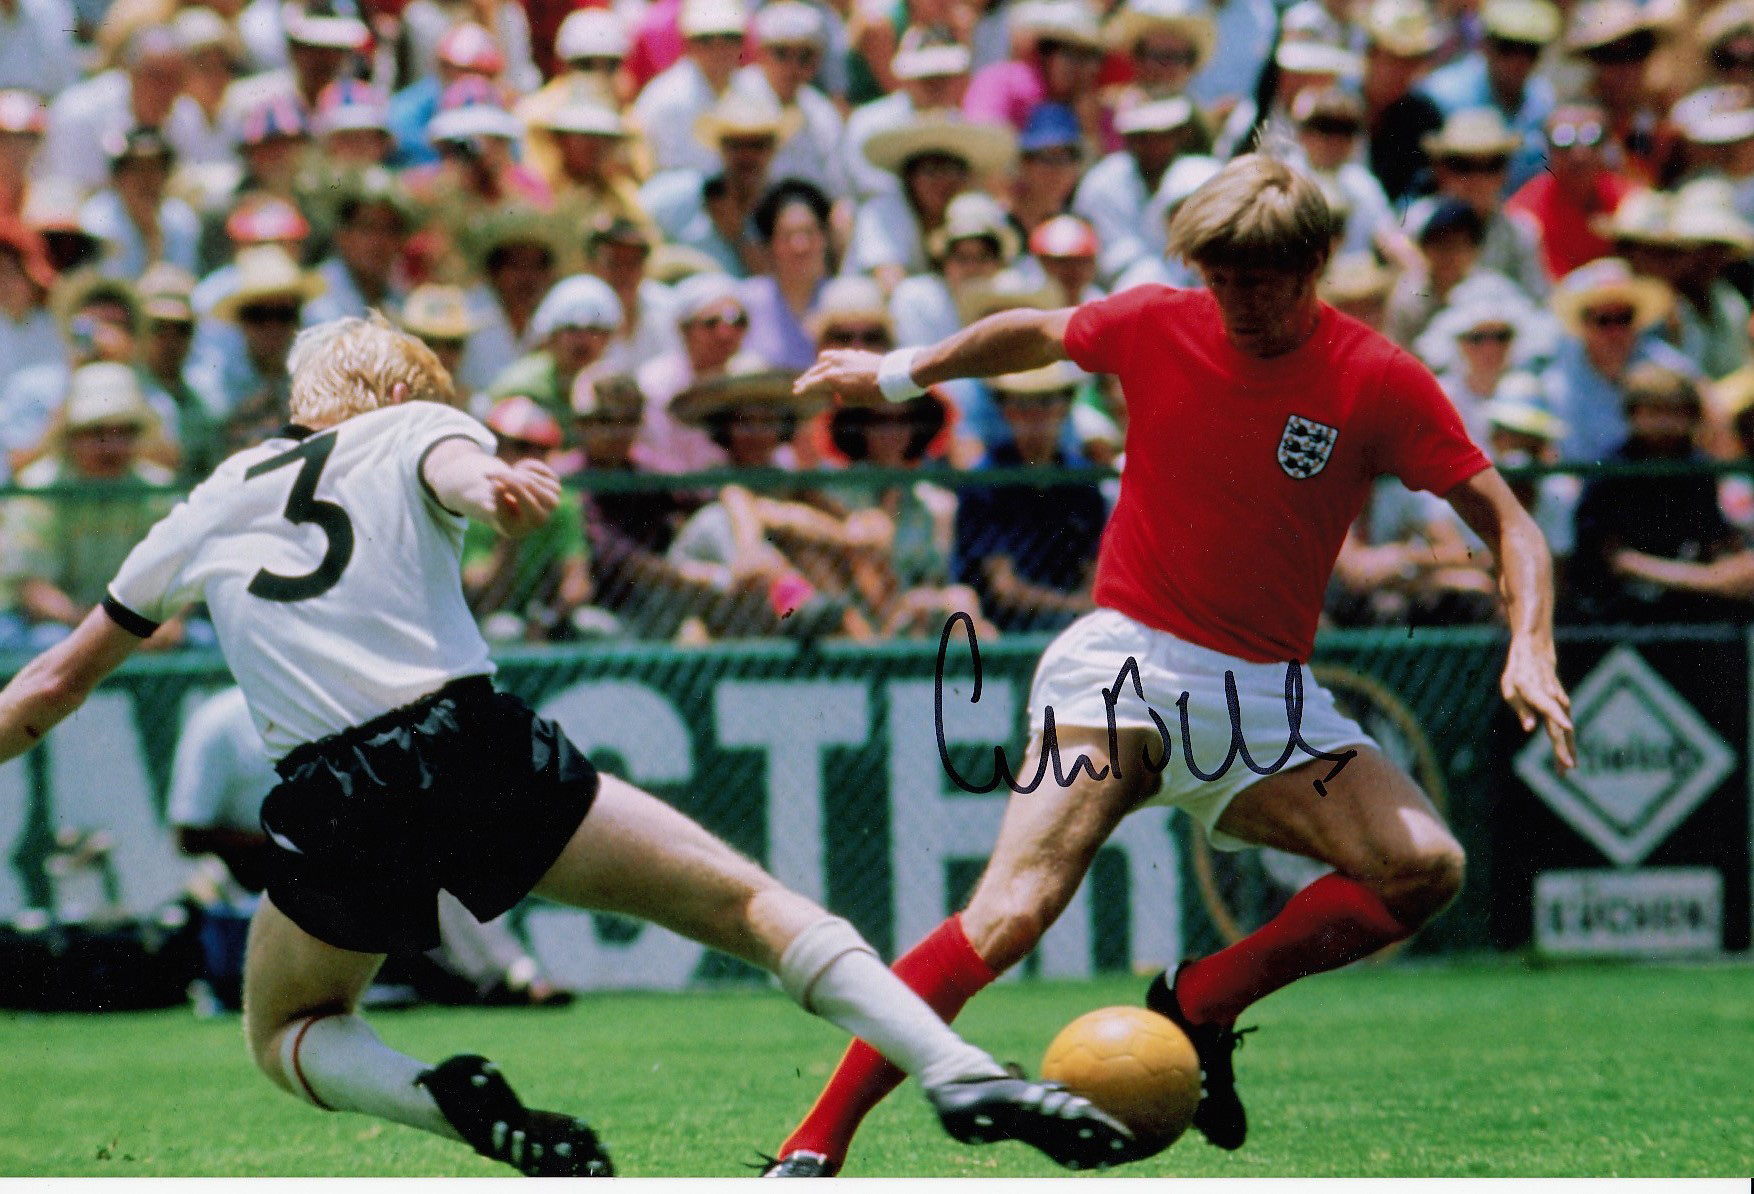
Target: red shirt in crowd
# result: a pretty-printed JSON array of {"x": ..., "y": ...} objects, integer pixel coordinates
[
  {"x": 1567, "y": 240},
  {"x": 1242, "y": 475}
]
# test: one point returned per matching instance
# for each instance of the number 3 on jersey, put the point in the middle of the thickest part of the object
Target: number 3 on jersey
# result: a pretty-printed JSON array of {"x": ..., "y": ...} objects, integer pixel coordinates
[{"x": 303, "y": 506}]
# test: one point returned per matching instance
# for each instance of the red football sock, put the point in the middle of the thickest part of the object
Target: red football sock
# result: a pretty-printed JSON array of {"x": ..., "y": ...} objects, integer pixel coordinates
[
  {"x": 1333, "y": 921},
  {"x": 946, "y": 972}
]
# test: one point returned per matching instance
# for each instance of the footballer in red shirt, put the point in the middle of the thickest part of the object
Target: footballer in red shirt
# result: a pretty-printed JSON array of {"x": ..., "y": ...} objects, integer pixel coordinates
[{"x": 1258, "y": 417}]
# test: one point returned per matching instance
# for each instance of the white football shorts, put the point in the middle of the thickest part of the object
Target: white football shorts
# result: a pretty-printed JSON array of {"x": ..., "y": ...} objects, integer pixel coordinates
[{"x": 1089, "y": 661}]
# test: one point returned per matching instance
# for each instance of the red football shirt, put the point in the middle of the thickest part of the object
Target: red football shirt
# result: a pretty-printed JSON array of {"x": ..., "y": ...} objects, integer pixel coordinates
[{"x": 1242, "y": 475}]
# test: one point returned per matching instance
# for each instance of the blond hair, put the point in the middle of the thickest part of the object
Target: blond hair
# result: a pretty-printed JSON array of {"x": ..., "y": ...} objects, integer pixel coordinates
[
  {"x": 349, "y": 366},
  {"x": 1256, "y": 213}
]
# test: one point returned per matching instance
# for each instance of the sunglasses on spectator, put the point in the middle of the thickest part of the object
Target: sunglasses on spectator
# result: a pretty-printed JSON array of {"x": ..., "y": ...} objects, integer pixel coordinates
[
  {"x": 1165, "y": 57},
  {"x": 1044, "y": 48},
  {"x": 1618, "y": 317},
  {"x": 443, "y": 343},
  {"x": 718, "y": 39},
  {"x": 1622, "y": 53},
  {"x": 596, "y": 64},
  {"x": 1480, "y": 165},
  {"x": 872, "y": 336},
  {"x": 1488, "y": 336},
  {"x": 1511, "y": 47},
  {"x": 1730, "y": 60},
  {"x": 170, "y": 327},
  {"x": 1565, "y": 136},
  {"x": 1054, "y": 157},
  {"x": 796, "y": 55},
  {"x": 268, "y": 314},
  {"x": 1328, "y": 126},
  {"x": 735, "y": 319}
]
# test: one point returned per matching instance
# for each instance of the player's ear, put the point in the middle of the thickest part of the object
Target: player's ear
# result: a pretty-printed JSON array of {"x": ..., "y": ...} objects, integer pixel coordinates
[{"x": 399, "y": 393}]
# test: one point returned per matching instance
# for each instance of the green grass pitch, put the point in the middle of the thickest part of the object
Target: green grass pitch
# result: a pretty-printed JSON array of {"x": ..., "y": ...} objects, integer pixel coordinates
[{"x": 1483, "y": 1070}]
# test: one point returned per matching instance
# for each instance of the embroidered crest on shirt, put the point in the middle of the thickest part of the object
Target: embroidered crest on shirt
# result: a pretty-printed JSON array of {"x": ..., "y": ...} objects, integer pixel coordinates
[{"x": 1305, "y": 446}]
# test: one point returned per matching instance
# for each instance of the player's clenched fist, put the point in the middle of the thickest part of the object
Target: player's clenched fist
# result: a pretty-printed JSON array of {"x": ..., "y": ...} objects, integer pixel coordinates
[{"x": 525, "y": 494}]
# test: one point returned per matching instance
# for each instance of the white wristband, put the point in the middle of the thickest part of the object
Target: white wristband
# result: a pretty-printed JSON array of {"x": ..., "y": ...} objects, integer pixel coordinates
[{"x": 895, "y": 376}]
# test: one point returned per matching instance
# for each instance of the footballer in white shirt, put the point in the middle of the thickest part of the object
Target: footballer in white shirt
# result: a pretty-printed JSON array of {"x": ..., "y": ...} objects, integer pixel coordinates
[{"x": 329, "y": 559}]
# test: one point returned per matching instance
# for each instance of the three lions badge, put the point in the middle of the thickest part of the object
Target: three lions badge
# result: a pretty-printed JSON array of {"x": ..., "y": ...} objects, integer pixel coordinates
[{"x": 1305, "y": 446}]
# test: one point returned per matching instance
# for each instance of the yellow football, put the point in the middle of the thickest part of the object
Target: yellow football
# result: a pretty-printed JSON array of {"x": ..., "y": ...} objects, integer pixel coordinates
[{"x": 1134, "y": 1064}]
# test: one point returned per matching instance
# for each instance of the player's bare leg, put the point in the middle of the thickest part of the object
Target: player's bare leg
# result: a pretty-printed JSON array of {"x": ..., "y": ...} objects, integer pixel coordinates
[
  {"x": 300, "y": 998},
  {"x": 635, "y": 854},
  {"x": 1046, "y": 843},
  {"x": 1396, "y": 866}
]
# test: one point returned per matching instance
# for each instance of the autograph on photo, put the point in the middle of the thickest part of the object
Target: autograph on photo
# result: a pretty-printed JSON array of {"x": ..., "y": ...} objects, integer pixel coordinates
[{"x": 1129, "y": 672}]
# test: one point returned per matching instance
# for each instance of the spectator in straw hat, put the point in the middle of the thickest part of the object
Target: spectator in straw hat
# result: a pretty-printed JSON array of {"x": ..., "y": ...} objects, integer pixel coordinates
[
  {"x": 249, "y": 393},
  {"x": 936, "y": 158},
  {"x": 1356, "y": 284},
  {"x": 515, "y": 255},
  {"x": 618, "y": 252},
  {"x": 1166, "y": 43},
  {"x": 1671, "y": 517},
  {"x": 1716, "y": 125},
  {"x": 477, "y": 170},
  {"x": 22, "y": 120},
  {"x": 28, "y": 332},
  {"x": 1401, "y": 37},
  {"x": 373, "y": 219},
  {"x": 60, "y": 556},
  {"x": 1472, "y": 343},
  {"x": 1115, "y": 193},
  {"x": 465, "y": 50},
  {"x": 1501, "y": 74},
  {"x": 1520, "y": 432},
  {"x": 1030, "y": 552},
  {"x": 1330, "y": 122},
  {"x": 439, "y": 315},
  {"x": 712, "y": 211},
  {"x": 1470, "y": 161},
  {"x": 1609, "y": 315},
  {"x": 931, "y": 72},
  {"x": 186, "y": 426},
  {"x": 1711, "y": 316},
  {"x": 669, "y": 108},
  {"x": 572, "y": 326},
  {"x": 1577, "y": 186},
  {"x": 1617, "y": 38},
  {"x": 320, "y": 39},
  {"x": 1066, "y": 248},
  {"x": 352, "y": 125},
  {"x": 790, "y": 41},
  {"x": 582, "y": 144},
  {"x": 711, "y": 320},
  {"x": 975, "y": 242},
  {"x": 135, "y": 217},
  {"x": 1061, "y": 65}
]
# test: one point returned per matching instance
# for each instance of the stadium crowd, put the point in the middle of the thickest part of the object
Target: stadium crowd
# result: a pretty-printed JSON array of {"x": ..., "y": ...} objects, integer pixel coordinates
[{"x": 626, "y": 227}]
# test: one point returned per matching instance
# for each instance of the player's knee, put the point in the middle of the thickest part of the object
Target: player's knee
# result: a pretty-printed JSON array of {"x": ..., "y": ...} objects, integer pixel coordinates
[{"x": 1425, "y": 880}]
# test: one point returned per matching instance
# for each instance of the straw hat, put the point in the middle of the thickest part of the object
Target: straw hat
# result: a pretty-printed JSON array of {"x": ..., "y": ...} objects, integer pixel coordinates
[
  {"x": 738, "y": 114},
  {"x": 1601, "y": 23},
  {"x": 1726, "y": 21},
  {"x": 750, "y": 382},
  {"x": 1404, "y": 28},
  {"x": 1699, "y": 222},
  {"x": 1306, "y": 57},
  {"x": 675, "y": 264},
  {"x": 1534, "y": 22},
  {"x": 1061, "y": 375},
  {"x": 972, "y": 215},
  {"x": 106, "y": 394},
  {"x": 166, "y": 294},
  {"x": 438, "y": 312},
  {"x": 1721, "y": 115},
  {"x": 707, "y": 18},
  {"x": 1608, "y": 280},
  {"x": 985, "y": 147},
  {"x": 581, "y": 301},
  {"x": 1190, "y": 19},
  {"x": 1642, "y": 218},
  {"x": 1355, "y": 278},
  {"x": 264, "y": 272},
  {"x": 1472, "y": 132},
  {"x": 1006, "y": 290},
  {"x": 582, "y": 112},
  {"x": 318, "y": 24},
  {"x": 850, "y": 296},
  {"x": 1155, "y": 116},
  {"x": 591, "y": 33},
  {"x": 1524, "y": 417},
  {"x": 924, "y": 54}
]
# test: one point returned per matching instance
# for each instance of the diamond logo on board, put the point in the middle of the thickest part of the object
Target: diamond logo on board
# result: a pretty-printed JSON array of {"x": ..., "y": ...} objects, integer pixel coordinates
[{"x": 1645, "y": 760}]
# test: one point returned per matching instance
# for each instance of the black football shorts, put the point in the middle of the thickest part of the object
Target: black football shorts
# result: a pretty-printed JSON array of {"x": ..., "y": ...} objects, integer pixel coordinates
[{"x": 466, "y": 790}]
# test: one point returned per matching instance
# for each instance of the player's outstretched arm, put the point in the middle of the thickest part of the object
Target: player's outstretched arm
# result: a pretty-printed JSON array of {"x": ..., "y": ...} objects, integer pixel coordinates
[
  {"x": 1530, "y": 683},
  {"x": 1009, "y": 342},
  {"x": 55, "y": 683},
  {"x": 513, "y": 499}
]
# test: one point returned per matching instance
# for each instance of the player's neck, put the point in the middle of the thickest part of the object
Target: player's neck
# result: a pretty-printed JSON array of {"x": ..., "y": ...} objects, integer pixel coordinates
[{"x": 1288, "y": 338}]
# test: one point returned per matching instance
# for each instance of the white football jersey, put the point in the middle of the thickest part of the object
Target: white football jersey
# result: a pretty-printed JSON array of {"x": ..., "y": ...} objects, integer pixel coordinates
[{"x": 331, "y": 571}]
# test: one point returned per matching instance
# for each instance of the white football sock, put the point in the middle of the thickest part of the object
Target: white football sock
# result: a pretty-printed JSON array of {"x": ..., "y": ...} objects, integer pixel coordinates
[
  {"x": 831, "y": 971},
  {"x": 339, "y": 1064}
]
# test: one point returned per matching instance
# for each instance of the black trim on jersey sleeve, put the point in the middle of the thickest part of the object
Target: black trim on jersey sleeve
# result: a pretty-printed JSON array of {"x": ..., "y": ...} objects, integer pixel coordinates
[
  {"x": 297, "y": 431},
  {"x": 420, "y": 467},
  {"x": 138, "y": 625}
]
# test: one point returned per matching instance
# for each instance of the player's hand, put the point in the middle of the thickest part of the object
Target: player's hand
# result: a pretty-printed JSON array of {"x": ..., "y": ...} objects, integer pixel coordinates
[
  {"x": 524, "y": 495},
  {"x": 844, "y": 375},
  {"x": 1532, "y": 689}
]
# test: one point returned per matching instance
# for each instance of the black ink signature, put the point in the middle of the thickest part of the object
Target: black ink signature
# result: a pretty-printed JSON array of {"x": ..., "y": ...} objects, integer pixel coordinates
[{"x": 1050, "y": 741}]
